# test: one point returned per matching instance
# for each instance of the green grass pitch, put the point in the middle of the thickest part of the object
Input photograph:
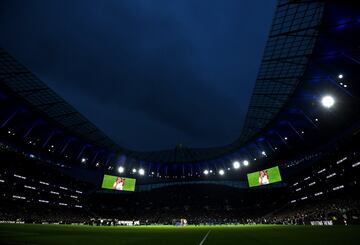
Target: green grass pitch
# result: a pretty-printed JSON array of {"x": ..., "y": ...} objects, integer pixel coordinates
[{"x": 14, "y": 234}]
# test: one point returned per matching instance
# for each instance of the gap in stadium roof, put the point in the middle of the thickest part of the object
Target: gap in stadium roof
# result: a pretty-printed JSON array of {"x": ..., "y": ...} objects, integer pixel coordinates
[{"x": 151, "y": 75}]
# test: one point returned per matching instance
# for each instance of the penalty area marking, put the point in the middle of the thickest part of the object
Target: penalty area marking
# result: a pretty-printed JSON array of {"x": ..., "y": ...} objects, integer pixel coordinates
[{"x": 203, "y": 240}]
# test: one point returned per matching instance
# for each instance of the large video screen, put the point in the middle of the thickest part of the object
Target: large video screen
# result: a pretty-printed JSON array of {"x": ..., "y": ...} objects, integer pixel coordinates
[
  {"x": 264, "y": 177},
  {"x": 118, "y": 183}
]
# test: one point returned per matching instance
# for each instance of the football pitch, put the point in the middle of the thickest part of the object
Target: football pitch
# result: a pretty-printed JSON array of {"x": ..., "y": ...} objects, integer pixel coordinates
[{"x": 14, "y": 234}]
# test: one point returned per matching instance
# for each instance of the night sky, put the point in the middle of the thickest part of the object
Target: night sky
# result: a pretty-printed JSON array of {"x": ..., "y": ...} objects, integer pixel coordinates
[{"x": 152, "y": 73}]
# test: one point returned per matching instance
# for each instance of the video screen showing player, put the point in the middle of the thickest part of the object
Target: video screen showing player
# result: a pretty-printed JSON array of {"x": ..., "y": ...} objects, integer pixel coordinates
[
  {"x": 264, "y": 177},
  {"x": 118, "y": 183}
]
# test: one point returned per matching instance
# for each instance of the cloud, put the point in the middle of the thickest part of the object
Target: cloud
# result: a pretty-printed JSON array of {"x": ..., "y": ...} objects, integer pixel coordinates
[{"x": 150, "y": 75}]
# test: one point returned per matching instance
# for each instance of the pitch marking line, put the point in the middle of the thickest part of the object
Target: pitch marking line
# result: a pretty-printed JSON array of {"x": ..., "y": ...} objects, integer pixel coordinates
[{"x": 203, "y": 240}]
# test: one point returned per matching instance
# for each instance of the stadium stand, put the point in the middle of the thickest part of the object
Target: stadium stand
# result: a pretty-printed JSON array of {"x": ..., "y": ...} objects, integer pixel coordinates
[
  {"x": 304, "y": 118},
  {"x": 33, "y": 191}
]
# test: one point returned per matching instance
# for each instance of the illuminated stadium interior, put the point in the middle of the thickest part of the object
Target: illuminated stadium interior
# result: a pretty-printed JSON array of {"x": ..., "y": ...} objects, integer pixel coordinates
[{"x": 295, "y": 164}]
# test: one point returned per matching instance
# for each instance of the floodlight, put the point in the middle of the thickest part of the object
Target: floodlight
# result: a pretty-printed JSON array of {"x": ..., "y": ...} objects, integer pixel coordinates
[
  {"x": 221, "y": 172},
  {"x": 246, "y": 162},
  {"x": 121, "y": 169},
  {"x": 236, "y": 164},
  {"x": 206, "y": 172},
  {"x": 327, "y": 101},
  {"x": 141, "y": 171}
]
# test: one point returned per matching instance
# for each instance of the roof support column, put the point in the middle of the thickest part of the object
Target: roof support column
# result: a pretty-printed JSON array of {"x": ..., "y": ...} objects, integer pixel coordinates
[
  {"x": 9, "y": 118},
  {"x": 66, "y": 145},
  {"x": 82, "y": 150}
]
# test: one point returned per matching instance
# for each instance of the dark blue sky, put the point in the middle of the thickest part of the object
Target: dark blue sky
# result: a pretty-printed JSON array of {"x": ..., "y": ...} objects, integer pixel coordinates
[{"x": 150, "y": 73}]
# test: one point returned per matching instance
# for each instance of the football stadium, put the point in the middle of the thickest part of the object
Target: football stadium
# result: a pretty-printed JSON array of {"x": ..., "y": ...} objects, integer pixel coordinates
[{"x": 179, "y": 122}]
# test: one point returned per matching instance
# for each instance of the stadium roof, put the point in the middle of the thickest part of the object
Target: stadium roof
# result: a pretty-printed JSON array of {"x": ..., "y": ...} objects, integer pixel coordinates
[
  {"x": 25, "y": 84},
  {"x": 289, "y": 47}
]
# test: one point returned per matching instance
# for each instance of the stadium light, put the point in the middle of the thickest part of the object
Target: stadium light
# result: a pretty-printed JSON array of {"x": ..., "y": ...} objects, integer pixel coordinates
[
  {"x": 327, "y": 101},
  {"x": 246, "y": 162},
  {"x": 340, "y": 76},
  {"x": 206, "y": 172},
  {"x": 236, "y": 164},
  {"x": 83, "y": 160},
  {"x": 134, "y": 170},
  {"x": 263, "y": 153},
  {"x": 121, "y": 169},
  {"x": 141, "y": 171},
  {"x": 221, "y": 172}
]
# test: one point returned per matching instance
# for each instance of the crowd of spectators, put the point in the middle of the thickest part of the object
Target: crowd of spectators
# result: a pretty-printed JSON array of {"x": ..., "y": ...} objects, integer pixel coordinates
[
  {"x": 23, "y": 212},
  {"x": 24, "y": 199},
  {"x": 338, "y": 211}
]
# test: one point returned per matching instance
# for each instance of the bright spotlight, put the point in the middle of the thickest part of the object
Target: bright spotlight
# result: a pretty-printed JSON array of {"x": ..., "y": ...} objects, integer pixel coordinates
[
  {"x": 83, "y": 160},
  {"x": 210, "y": 171},
  {"x": 246, "y": 162},
  {"x": 236, "y": 164},
  {"x": 134, "y": 170},
  {"x": 327, "y": 101},
  {"x": 263, "y": 153},
  {"x": 141, "y": 171},
  {"x": 221, "y": 172},
  {"x": 206, "y": 172},
  {"x": 340, "y": 76},
  {"x": 121, "y": 169}
]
